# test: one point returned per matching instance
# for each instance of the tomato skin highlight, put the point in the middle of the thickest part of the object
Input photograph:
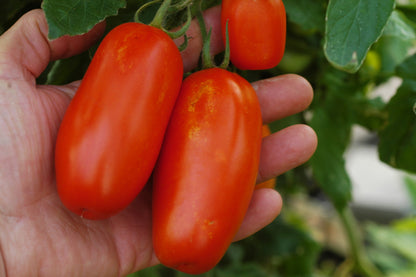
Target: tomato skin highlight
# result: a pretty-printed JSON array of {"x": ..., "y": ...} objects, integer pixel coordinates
[
  {"x": 256, "y": 31},
  {"x": 206, "y": 171},
  {"x": 112, "y": 131}
]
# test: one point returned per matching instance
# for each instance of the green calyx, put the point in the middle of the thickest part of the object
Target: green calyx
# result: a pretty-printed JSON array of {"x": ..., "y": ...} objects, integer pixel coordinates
[
  {"x": 207, "y": 58},
  {"x": 166, "y": 8}
]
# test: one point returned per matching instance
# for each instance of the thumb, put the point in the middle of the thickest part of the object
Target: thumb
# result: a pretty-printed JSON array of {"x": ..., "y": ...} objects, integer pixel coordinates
[{"x": 25, "y": 49}]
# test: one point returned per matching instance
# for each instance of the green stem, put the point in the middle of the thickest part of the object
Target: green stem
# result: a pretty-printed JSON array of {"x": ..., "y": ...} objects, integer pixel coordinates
[
  {"x": 164, "y": 10},
  {"x": 207, "y": 59},
  {"x": 183, "y": 29},
  {"x": 160, "y": 14},
  {"x": 180, "y": 6},
  {"x": 226, "y": 61},
  {"x": 361, "y": 262},
  {"x": 142, "y": 8}
]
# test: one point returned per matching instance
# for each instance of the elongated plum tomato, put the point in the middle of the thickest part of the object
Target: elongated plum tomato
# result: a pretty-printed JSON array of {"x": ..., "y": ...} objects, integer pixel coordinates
[
  {"x": 256, "y": 31},
  {"x": 113, "y": 129},
  {"x": 205, "y": 175}
]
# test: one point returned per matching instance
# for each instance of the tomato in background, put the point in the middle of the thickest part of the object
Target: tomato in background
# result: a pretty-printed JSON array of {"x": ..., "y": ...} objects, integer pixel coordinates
[
  {"x": 113, "y": 129},
  {"x": 205, "y": 175},
  {"x": 256, "y": 31},
  {"x": 271, "y": 182}
]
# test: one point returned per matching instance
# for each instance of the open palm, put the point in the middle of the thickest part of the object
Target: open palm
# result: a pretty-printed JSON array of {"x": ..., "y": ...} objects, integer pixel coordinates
[{"x": 39, "y": 236}]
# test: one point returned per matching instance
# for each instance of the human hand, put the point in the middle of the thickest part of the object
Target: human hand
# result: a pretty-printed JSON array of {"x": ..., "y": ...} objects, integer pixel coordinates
[{"x": 39, "y": 236}]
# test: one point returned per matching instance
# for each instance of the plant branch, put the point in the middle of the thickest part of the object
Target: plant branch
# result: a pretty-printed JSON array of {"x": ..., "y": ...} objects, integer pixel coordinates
[{"x": 361, "y": 262}]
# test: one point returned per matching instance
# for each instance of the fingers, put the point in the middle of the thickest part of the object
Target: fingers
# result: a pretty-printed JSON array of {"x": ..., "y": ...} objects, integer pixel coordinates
[
  {"x": 25, "y": 46},
  {"x": 285, "y": 150},
  {"x": 68, "y": 46},
  {"x": 265, "y": 206},
  {"x": 283, "y": 96},
  {"x": 280, "y": 97},
  {"x": 281, "y": 152}
]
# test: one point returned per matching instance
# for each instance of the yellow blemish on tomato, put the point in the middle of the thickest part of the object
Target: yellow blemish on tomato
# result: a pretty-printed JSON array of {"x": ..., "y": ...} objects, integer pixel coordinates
[
  {"x": 123, "y": 56},
  {"x": 194, "y": 131},
  {"x": 208, "y": 226},
  {"x": 204, "y": 89}
]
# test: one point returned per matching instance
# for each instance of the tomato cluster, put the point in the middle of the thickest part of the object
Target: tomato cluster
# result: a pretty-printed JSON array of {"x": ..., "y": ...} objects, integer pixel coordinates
[{"x": 134, "y": 115}]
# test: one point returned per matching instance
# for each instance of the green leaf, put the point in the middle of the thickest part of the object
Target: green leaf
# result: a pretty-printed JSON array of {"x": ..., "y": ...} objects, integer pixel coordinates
[
  {"x": 397, "y": 145},
  {"x": 368, "y": 112},
  {"x": 332, "y": 122},
  {"x": 392, "y": 247},
  {"x": 308, "y": 14},
  {"x": 406, "y": 70},
  {"x": 394, "y": 46},
  {"x": 392, "y": 51},
  {"x": 397, "y": 140},
  {"x": 401, "y": 241},
  {"x": 410, "y": 183},
  {"x": 289, "y": 249},
  {"x": 75, "y": 17},
  {"x": 386, "y": 259},
  {"x": 407, "y": 224},
  {"x": 241, "y": 270},
  {"x": 352, "y": 26},
  {"x": 400, "y": 27}
]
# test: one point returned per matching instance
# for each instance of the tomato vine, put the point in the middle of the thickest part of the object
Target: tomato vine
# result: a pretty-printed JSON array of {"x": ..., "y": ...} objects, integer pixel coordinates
[{"x": 166, "y": 9}]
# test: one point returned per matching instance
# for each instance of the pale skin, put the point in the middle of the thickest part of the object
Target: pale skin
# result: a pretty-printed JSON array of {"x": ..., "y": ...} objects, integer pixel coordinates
[{"x": 38, "y": 235}]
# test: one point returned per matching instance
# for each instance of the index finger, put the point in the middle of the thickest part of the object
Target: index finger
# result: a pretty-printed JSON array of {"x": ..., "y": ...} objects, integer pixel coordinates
[{"x": 282, "y": 96}]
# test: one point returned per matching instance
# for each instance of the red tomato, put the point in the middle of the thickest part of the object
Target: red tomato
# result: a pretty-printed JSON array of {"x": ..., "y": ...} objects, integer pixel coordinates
[
  {"x": 112, "y": 132},
  {"x": 256, "y": 31},
  {"x": 205, "y": 175}
]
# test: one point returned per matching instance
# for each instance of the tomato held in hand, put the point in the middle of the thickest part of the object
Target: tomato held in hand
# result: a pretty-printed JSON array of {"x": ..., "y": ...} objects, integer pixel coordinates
[
  {"x": 205, "y": 175},
  {"x": 113, "y": 129},
  {"x": 256, "y": 31}
]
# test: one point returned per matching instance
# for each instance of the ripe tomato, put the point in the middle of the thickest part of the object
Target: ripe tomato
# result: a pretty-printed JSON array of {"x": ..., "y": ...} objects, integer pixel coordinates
[
  {"x": 206, "y": 171},
  {"x": 113, "y": 129},
  {"x": 256, "y": 31},
  {"x": 272, "y": 182}
]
